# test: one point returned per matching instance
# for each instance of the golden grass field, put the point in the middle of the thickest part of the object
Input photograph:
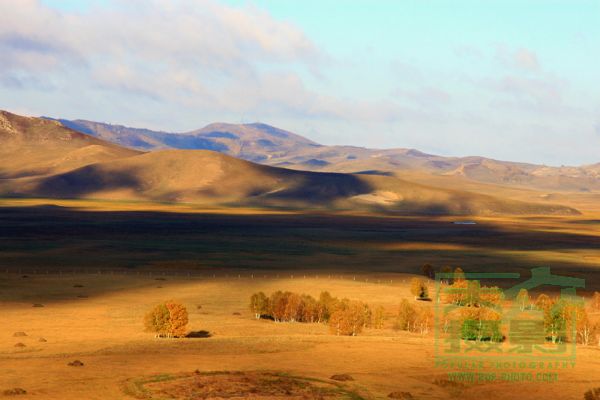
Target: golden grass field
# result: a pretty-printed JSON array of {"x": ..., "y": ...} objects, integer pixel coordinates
[
  {"x": 117, "y": 260},
  {"x": 104, "y": 331}
]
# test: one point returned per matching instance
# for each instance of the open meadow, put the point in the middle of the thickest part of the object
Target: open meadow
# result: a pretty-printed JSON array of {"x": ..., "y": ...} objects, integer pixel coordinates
[
  {"x": 82, "y": 275},
  {"x": 82, "y": 320}
]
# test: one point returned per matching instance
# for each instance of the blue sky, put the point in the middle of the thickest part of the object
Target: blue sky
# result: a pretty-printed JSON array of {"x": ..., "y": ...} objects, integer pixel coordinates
[{"x": 514, "y": 80}]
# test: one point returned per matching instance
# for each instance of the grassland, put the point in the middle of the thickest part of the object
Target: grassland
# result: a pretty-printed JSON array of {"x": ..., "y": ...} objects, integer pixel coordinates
[
  {"x": 97, "y": 267},
  {"x": 103, "y": 329},
  {"x": 62, "y": 234}
]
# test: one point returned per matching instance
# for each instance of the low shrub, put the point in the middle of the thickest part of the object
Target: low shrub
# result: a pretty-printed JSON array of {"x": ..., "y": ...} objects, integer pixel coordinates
[
  {"x": 342, "y": 377},
  {"x": 14, "y": 392}
]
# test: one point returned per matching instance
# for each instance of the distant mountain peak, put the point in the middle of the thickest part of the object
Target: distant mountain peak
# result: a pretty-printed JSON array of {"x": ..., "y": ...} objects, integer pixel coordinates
[{"x": 267, "y": 144}]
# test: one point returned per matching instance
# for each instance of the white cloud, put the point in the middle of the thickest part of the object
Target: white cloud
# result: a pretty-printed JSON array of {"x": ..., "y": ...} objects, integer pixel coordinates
[
  {"x": 165, "y": 49},
  {"x": 176, "y": 64},
  {"x": 196, "y": 54}
]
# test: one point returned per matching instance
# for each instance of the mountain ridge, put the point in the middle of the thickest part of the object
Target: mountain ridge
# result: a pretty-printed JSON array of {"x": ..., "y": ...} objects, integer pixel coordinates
[
  {"x": 213, "y": 178},
  {"x": 255, "y": 142}
]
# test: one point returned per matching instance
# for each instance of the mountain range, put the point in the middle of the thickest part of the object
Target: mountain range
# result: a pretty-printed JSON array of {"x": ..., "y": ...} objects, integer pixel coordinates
[
  {"x": 46, "y": 158},
  {"x": 276, "y": 147}
]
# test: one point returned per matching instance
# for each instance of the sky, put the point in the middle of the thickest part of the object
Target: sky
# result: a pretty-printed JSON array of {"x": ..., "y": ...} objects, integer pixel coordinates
[{"x": 511, "y": 80}]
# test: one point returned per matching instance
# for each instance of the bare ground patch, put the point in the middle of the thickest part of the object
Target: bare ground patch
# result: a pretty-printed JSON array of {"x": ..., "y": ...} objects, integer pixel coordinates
[{"x": 235, "y": 385}]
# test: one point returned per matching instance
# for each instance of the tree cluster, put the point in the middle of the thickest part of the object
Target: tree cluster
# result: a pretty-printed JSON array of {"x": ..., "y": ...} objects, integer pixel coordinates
[
  {"x": 566, "y": 320},
  {"x": 477, "y": 316},
  {"x": 413, "y": 318},
  {"x": 345, "y": 317},
  {"x": 168, "y": 319}
]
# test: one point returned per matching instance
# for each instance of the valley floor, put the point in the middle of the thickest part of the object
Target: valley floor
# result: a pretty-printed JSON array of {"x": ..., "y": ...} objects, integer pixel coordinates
[
  {"x": 97, "y": 268},
  {"x": 104, "y": 331}
]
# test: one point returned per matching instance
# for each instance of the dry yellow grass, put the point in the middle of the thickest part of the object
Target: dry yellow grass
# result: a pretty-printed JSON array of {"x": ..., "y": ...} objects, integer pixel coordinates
[
  {"x": 98, "y": 318},
  {"x": 105, "y": 332}
]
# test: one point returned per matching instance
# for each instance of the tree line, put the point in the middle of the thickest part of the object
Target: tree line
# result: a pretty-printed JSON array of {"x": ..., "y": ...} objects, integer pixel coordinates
[
  {"x": 344, "y": 316},
  {"x": 564, "y": 319}
]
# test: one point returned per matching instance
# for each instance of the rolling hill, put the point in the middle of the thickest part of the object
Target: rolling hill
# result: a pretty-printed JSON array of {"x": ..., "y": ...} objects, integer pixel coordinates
[
  {"x": 207, "y": 177},
  {"x": 272, "y": 146},
  {"x": 34, "y": 147},
  {"x": 69, "y": 164}
]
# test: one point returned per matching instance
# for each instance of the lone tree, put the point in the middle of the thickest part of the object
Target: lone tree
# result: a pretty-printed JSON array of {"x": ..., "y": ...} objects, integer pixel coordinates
[
  {"x": 418, "y": 288},
  {"x": 167, "y": 319}
]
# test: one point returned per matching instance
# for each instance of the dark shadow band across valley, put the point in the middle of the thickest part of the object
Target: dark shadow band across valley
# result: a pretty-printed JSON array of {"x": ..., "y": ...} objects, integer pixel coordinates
[{"x": 56, "y": 237}]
